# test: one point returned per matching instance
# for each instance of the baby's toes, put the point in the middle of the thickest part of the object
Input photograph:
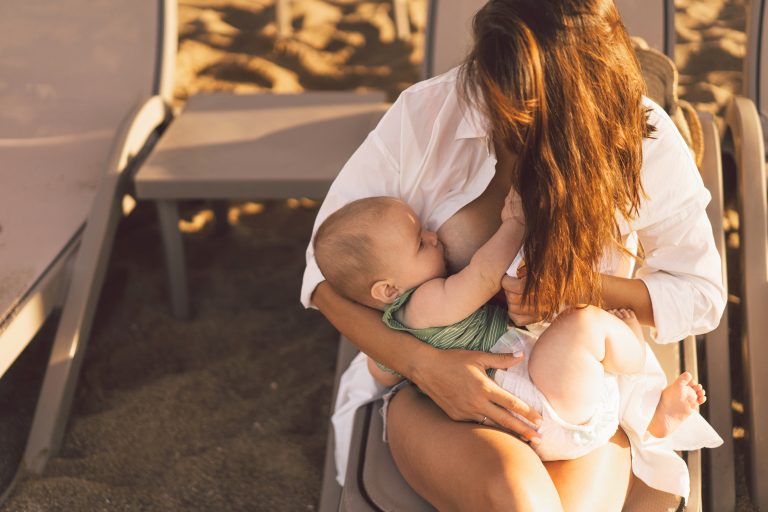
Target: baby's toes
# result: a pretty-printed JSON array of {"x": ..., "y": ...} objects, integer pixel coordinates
[
  {"x": 692, "y": 400},
  {"x": 685, "y": 379}
]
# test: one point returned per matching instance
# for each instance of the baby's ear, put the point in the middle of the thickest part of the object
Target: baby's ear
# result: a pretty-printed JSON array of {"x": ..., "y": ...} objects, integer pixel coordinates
[{"x": 384, "y": 291}]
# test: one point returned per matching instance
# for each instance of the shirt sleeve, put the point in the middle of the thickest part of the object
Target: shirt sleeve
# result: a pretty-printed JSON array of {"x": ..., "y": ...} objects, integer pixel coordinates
[
  {"x": 682, "y": 268},
  {"x": 372, "y": 170}
]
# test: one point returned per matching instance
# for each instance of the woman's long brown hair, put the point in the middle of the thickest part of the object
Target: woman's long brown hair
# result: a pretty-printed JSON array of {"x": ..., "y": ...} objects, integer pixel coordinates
[{"x": 561, "y": 86}]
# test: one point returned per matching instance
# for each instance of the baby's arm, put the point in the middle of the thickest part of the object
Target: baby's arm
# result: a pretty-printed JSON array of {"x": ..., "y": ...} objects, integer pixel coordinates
[{"x": 445, "y": 301}]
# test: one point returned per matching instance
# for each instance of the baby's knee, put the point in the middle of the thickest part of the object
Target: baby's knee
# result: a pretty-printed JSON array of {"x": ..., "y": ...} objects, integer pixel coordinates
[{"x": 580, "y": 317}]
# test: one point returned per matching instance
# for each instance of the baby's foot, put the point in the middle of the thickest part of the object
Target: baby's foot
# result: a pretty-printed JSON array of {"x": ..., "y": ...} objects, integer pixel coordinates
[
  {"x": 629, "y": 318},
  {"x": 678, "y": 401}
]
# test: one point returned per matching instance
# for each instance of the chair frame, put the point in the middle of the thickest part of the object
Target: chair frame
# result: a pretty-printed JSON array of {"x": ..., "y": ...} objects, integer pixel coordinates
[
  {"x": 744, "y": 124},
  {"x": 131, "y": 144}
]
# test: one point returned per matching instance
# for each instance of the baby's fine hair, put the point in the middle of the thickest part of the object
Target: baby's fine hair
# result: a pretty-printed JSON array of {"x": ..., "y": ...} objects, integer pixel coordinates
[{"x": 345, "y": 251}]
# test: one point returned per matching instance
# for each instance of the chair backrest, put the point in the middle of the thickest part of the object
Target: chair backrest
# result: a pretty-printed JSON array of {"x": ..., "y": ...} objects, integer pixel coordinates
[
  {"x": 747, "y": 137},
  {"x": 756, "y": 59},
  {"x": 72, "y": 70},
  {"x": 653, "y": 20},
  {"x": 449, "y": 32}
]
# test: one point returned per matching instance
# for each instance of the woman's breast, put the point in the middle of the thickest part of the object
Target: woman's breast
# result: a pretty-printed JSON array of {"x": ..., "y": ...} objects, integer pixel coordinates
[{"x": 469, "y": 228}]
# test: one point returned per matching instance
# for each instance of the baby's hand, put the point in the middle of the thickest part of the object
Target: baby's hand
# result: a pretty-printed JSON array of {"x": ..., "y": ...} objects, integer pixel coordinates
[{"x": 513, "y": 208}]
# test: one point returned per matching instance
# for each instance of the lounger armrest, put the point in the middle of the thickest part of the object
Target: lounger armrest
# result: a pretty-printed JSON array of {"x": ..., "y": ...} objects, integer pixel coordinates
[
  {"x": 91, "y": 262},
  {"x": 743, "y": 121},
  {"x": 136, "y": 131}
]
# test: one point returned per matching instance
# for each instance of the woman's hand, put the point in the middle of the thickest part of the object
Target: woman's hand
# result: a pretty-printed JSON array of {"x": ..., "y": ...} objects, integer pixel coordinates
[{"x": 456, "y": 381}]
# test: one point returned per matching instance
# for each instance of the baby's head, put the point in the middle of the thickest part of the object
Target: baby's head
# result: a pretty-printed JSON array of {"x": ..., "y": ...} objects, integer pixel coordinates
[{"x": 374, "y": 249}]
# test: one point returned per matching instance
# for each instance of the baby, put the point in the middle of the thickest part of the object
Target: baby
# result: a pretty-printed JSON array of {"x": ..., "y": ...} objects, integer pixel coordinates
[{"x": 375, "y": 251}]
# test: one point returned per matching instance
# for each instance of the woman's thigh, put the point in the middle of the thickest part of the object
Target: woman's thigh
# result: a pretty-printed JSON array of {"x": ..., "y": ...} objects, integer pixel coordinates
[
  {"x": 464, "y": 466},
  {"x": 597, "y": 482}
]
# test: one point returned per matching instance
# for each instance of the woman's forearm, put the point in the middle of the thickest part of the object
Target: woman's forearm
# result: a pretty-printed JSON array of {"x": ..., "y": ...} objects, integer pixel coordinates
[
  {"x": 620, "y": 292},
  {"x": 364, "y": 328}
]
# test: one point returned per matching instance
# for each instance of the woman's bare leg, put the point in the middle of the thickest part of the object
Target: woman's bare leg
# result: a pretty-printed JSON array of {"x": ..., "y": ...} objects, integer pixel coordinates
[
  {"x": 599, "y": 481},
  {"x": 464, "y": 466}
]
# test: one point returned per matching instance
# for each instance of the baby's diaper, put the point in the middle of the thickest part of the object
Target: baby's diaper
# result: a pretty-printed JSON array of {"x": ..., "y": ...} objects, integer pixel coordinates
[{"x": 560, "y": 440}]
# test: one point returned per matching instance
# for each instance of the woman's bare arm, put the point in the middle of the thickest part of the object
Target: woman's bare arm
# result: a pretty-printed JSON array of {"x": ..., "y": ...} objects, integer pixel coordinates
[
  {"x": 454, "y": 379},
  {"x": 618, "y": 293},
  {"x": 624, "y": 293}
]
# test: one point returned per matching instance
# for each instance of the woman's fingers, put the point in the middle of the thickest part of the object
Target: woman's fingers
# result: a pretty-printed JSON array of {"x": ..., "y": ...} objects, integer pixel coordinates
[
  {"x": 501, "y": 418},
  {"x": 456, "y": 381},
  {"x": 503, "y": 402},
  {"x": 501, "y": 361},
  {"x": 510, "y": 402}
]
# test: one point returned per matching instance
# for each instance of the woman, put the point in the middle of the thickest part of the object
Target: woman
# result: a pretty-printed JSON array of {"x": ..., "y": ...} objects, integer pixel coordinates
[{"x": 549, "y": 103}]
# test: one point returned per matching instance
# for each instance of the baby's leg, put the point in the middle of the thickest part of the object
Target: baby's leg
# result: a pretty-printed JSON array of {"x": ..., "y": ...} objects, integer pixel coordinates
[
  {"x": 678, "y": 401},
  {"x": 569, "y": 361}
]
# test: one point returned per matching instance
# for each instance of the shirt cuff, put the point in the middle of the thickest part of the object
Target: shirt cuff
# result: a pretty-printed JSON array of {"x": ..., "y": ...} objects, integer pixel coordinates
[{"x": 672, "y": 302}]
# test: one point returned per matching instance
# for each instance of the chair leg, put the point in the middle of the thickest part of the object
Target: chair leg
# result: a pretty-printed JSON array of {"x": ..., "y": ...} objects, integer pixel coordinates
[
  {"x": 168, "y": 213},
  {"x": 402, "y": 22},
  {"x": 220, "y": 213},
  {"x": 283, "y": 18},
  {"x": 57, "y": 391}
]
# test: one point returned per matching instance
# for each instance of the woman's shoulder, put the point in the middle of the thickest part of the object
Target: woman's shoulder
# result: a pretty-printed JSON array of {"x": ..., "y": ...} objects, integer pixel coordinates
[
  {"x": 429, "y": 111},
  {"x": 431, "y": 98},
  {"x": 669, "y": 174},
  {"x": 435, "y": 85},
  {"x": 666, "y": 131}
]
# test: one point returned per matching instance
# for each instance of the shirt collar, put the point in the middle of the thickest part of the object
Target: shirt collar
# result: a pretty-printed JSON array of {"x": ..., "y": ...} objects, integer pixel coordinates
[{"x": 472, "y": 124}]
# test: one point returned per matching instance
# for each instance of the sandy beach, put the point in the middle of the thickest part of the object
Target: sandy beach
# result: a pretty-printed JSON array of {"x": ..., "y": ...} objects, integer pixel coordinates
[{"x": 229, "y": 411}]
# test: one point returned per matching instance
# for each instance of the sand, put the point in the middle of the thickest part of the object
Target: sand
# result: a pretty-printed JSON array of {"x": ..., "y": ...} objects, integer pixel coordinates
[{"x": 229, "y": 411}]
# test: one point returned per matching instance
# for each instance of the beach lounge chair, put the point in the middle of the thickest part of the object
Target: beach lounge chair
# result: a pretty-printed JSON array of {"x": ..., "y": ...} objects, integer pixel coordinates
[
  {"x": 702, "y": 136},
  {"x": 372, "y": 481},
  {"x": 269, "y": 146},
  {"x": 81, "y": 97},
  {"x": 747, "y": 121},
  {"x": 747, "y": 136}
]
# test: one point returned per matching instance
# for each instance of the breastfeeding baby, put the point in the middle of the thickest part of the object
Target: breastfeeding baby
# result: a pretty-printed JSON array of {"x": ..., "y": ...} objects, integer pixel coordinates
[{"x": 375, "y": 251}]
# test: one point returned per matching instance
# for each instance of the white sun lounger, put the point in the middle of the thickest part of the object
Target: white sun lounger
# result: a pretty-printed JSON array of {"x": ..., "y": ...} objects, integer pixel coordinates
[
  {"x": 743, "y": 122},
  {"x": 747, "y": 120},
  {"x": 75, "y": 107}
]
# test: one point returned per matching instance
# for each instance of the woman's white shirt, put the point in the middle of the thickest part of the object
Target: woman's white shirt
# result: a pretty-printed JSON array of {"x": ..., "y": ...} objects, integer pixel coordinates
[{"x": 433, "y": 152}]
